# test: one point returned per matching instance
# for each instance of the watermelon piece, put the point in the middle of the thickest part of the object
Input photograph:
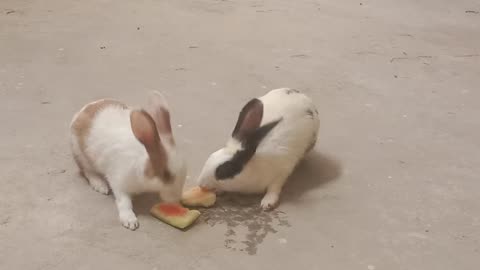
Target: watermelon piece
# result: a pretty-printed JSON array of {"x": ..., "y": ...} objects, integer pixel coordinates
[
  {"x": 198, "y": 196},
  {"x": 174, "y": 214},
  {"x": 172, "y": 209}
]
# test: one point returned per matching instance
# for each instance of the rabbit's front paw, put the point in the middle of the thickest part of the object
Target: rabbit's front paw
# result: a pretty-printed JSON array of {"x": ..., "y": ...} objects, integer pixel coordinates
[
  {"x": 99, "y": 186},
  {"x": 129, "y": 220},
  {"x": 269, "y": 201}
]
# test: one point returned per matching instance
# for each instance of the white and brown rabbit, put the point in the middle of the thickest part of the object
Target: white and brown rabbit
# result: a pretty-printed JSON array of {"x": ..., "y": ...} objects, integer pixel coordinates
[
  {"x": 129, "y": 151},
  {"x": 273, "y": 133}
]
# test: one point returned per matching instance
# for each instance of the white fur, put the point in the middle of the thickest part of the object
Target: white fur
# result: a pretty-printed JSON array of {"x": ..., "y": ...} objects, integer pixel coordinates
[
  {"x": 117, "y": 155},
  {"x": 278, "y": 153}
]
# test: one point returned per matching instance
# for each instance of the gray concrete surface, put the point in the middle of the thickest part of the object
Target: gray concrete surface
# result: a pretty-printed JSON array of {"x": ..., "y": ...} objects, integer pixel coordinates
[{"x": 393, "y": 183}]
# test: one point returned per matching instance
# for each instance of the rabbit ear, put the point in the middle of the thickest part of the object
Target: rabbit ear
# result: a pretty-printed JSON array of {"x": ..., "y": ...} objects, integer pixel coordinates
[
  {"x": 250, "y": 134},
  {"x": 234, "y": 166},
  {"x": 158, "y": 109},
  {"x": 249, "y": 120},
  {"x": 254, "y": 138},
  {"x": 145, "y": 131}
]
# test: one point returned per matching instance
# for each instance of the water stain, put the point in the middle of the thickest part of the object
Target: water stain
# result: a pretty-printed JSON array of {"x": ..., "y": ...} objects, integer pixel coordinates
[{"x": 240, "y": 213}]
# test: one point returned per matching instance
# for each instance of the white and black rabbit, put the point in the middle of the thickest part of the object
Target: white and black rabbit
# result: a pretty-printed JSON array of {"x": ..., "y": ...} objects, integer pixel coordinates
[
  {"x": 273, "y": 133},
  {"x": 128, "y": 150}
]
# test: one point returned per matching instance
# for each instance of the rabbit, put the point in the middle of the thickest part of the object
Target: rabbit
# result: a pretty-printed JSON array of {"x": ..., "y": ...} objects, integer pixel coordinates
[
  {"x": 129, "y": 151},
  {"x": 273, "y": 133}
]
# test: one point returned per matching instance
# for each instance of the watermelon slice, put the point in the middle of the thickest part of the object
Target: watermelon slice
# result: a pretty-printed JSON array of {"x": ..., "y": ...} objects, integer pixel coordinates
[
  {"x": 174, "y": 214},
  {"x": 198, "y": 196}
]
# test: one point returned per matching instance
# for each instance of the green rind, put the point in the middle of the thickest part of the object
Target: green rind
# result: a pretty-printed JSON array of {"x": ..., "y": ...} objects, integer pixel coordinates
[{"x": 180, "y": 222}]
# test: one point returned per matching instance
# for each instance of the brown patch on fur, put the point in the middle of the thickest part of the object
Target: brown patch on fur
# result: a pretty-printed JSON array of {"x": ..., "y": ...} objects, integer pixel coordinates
[
  {"x": 171, "y": 140},
  {"x": 82, "y": 123},
  {"x": 161, "y": 117},
  {"x": 165, "y": 126},
  {"x": 152, "y": 171},
  {"x": 158, "y": 110},
  {"x": 145, "y": 130}
]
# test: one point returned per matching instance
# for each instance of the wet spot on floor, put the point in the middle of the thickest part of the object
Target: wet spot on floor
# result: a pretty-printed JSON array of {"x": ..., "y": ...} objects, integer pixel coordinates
[{"x": 247, "y": 224}]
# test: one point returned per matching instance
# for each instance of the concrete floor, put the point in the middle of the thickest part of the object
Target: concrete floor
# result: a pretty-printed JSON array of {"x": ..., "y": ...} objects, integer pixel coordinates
[{"x": 393, "y": 183}]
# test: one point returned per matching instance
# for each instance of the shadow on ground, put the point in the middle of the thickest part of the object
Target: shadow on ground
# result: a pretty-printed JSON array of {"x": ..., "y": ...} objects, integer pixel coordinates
[
  {"x": 246, "y": 223},
  {"x": 143, "y": 202},
  {"x": 315, "y": 171}
]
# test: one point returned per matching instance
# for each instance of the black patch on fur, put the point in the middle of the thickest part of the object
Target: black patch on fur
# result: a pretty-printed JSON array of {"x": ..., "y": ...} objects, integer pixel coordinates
[
  {"x": 292, "y": 91},
  {"x": 234, "y": 166},
  {"x": 309, "y": 113}
]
